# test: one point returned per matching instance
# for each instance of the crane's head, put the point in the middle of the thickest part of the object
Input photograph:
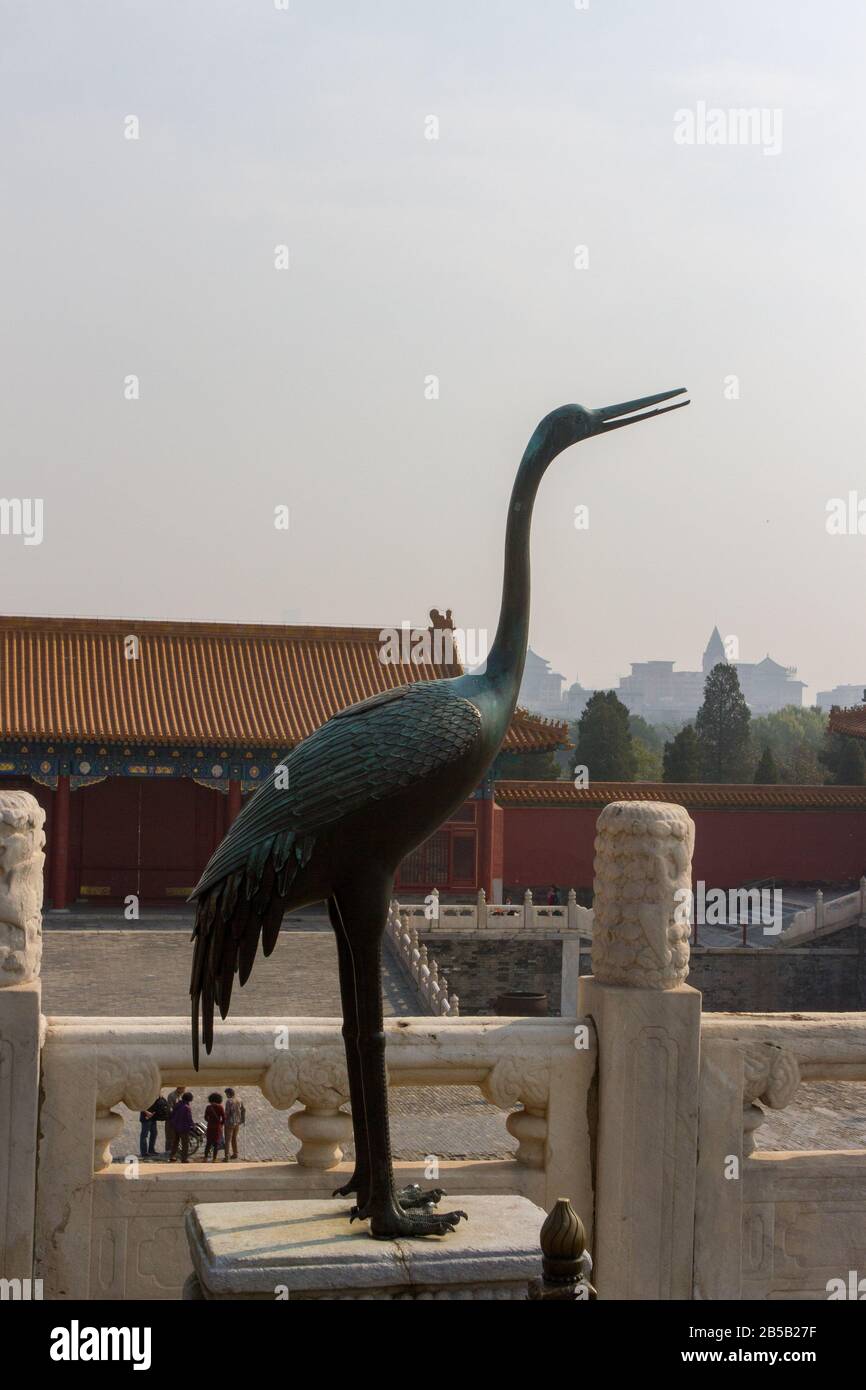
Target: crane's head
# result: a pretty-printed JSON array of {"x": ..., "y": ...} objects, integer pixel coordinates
[{"x": 571, "y": 423}]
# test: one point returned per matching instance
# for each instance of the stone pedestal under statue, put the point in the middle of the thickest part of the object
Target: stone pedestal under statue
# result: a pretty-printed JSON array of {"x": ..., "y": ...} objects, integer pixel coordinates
[{"x": 306, "y": 1249}]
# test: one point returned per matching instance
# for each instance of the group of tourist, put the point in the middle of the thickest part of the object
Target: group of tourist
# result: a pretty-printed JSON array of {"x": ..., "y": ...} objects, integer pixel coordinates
[{"x": 222, "y": 1123}]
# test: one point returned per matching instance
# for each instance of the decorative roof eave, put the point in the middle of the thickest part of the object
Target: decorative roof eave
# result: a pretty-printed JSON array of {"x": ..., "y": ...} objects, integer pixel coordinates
[
  {"x": 700, "y": 795},
  {"x": 850, "y": 720},
  {"x": 68, "y": 680},
  {"x": 533, "y": 733}
]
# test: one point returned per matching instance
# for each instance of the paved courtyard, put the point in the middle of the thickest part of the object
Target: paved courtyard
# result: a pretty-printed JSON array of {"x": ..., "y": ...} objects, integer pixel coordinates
[
  {"x": 98, "y": 970},
  {"x": 90, "y": 967}
]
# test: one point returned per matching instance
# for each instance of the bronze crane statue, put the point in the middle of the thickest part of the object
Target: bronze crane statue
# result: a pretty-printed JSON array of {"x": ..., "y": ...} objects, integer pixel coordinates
[{"x": 344, "y": 807}]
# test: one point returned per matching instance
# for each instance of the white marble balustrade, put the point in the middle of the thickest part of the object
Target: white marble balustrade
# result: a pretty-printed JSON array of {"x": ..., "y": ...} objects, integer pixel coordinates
[
  {"x": 529, "y": 1068},
  {"x": 479, "y": 915}
]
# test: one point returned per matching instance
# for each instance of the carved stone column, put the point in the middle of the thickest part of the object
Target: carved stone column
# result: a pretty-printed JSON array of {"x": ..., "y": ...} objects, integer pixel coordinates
[
  {"x": 648, "y": 1024},
  {"x": 322, "y": 1127},
  {"x": 771, "y": 1075},
  {"x": 514, "y": 1081},
  {"x": 22, "y": 861},
  {"x": 134, "y": 1082},
  {"x": 21, "y": 870},
  {"x": 320, "y": 1081}
]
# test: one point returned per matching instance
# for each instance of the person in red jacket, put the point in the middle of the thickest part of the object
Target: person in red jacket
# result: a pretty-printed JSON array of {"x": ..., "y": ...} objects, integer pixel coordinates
[{"x": 214, "y": 1118}]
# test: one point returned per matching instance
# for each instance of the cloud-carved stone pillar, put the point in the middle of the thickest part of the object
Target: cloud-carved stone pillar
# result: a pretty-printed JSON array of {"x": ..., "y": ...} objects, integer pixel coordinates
[
  {"x": 21, "y": 868},
  {"x": 643, "y": 882},
  {"x": 648, "y": 1022}
]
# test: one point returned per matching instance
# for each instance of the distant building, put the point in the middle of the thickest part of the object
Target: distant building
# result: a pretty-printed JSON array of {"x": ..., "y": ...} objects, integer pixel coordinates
[
  {"x": 574, "y": 701},
  {"x": 662, "y": 695},
  {"x": 659, "y": 694},
  {"x": 540, "y": 688},
  {"x": 767, "y": 686},
  {"x": 843, "y": 696},
  {"x": 541, "y": 691}
]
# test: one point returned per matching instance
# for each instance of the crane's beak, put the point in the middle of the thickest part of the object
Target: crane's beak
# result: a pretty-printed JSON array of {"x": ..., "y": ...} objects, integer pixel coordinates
[{"x": 608, "y": 416}]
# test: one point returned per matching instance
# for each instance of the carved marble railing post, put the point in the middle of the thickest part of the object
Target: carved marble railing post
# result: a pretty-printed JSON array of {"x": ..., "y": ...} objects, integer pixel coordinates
[
  {"x": 424, "y": 972},
  {"x": 120, "y": 1081},
  {"x": 406, "y": 941},
  {"x": 648, "y": 1023},
  {"x": 516, "y": 1082},
  {"x": 433, "y": 994},
  {"x": 21, "y": 868},
  {"x": 771, "y": 1075},
  {"x": 415, "y": 953},
  {"x": 481, "y": 910},
  {"x": 320, "y": 1081}
]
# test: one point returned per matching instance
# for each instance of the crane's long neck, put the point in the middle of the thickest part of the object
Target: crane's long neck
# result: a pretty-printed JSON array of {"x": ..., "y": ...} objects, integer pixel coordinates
[{"x": 508, "y": 653}]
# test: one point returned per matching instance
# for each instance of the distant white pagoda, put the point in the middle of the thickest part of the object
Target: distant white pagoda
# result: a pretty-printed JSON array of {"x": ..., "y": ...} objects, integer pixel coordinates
[
  {"x": 714, "y": 652},
  {"x": 662, "y": 695}
]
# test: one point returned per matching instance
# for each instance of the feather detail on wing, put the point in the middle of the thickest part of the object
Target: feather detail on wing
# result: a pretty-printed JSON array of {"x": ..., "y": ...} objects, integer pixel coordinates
[{"x": 365, "y": 754}]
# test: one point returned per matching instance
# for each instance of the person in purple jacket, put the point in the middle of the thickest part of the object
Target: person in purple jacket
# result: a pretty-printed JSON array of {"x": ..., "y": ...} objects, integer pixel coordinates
[{"x": 181, "y": 1123}]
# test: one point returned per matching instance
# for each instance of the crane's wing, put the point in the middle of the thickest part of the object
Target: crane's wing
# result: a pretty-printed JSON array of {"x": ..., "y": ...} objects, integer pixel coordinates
[{"x": 365, "y": 754}]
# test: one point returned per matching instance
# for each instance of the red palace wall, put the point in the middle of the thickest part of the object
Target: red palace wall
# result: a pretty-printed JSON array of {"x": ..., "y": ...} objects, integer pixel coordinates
[
  {"x": 154, "y": 838},
  {"x": 145, "y": 837},
  {"x": 555, "y": 845},
  {"x": 134, "y": 836}
]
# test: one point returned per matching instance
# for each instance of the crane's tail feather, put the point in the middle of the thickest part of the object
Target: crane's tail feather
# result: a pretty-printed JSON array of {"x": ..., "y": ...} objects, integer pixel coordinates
[{"x": 232, "y": 915}]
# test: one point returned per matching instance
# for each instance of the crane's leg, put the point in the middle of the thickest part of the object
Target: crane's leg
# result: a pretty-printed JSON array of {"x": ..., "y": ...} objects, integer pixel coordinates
[
  {"x": 359, "y": 1182},
  {"x": 364, "y": 915}
]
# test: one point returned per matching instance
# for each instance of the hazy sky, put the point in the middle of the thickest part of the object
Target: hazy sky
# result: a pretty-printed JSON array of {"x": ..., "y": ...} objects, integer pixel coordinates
[{"x": 453, "y": 257}]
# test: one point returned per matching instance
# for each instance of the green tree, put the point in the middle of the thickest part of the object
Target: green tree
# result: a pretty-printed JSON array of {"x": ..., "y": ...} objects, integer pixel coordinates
[
  {"x": 604, "y": 745},
  {"x": 852, "y": 765},
  {"x": 648, "y": 762},
  {"x": 795, "y": 736},
  {"x": 766, "y": 772},
  {"x": 842, "y": 756},
  {"x": 682, "y": 757},
  {"x": 722, "y": 727},
  {"x": 528, "y": 767},
  {"x": 648, "y": 734}
]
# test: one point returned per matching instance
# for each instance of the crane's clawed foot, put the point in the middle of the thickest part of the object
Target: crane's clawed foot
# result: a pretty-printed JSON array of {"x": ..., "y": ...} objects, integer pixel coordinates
[
  {"x": 347, "y": 1189},
  {"x": 393, "y": 1225},
  {"x": 408, "y": 1198},
  {"x": 415, "y": 1196}
]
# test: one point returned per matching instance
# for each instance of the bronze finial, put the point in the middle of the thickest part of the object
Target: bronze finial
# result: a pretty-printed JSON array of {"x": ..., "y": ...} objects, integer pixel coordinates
[{"x": 565, "y": 1260}]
